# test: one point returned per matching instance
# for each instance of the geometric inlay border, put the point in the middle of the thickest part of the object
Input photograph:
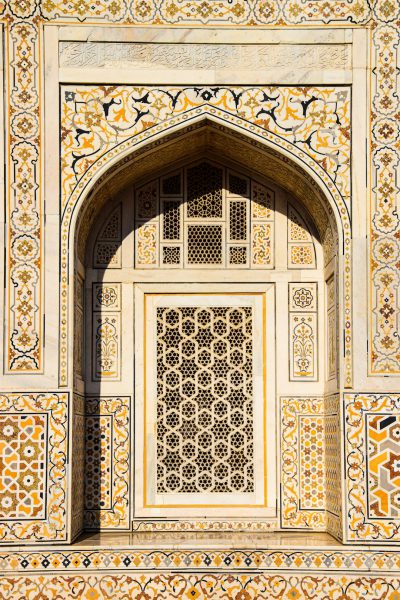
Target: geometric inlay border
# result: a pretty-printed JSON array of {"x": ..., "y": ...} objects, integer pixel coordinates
[{"x": 160, "y": 559}]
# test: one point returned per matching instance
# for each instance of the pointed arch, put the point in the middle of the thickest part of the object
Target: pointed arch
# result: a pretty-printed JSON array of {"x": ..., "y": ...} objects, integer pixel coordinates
[{"x": 255, "y": 148}]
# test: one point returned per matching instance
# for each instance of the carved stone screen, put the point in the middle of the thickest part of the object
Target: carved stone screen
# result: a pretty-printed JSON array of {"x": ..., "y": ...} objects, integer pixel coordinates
[
  {"x": 204, "y": 216},
  {"x": 204, "y": 399}
]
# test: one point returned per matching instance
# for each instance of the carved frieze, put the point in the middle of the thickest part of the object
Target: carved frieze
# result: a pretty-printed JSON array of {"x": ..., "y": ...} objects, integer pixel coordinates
[{"x": 203, "y": 56}]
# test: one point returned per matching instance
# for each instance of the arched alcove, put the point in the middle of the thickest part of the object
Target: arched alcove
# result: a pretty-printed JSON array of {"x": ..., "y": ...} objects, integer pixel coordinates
[{"x": 287, "y": 301}]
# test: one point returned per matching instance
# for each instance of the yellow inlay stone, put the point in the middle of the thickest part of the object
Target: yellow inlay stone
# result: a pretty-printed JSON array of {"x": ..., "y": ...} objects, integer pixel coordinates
[
  {"x": 137, "y": 560},
  {"x": 177, "y": 561},
  {"x": 92, "y": 594},
  {"x": 192, "y": 593},
  {"x": 217, "y": 560},
  {"x": 338, "y": 562},
  {"x": 379, "y": 562},
  {"x": 117, "y": 561},
  {"x": 157, "y": 560},
  {"x": 298, "y": 561},
  {"x": 293, "y": 594}
]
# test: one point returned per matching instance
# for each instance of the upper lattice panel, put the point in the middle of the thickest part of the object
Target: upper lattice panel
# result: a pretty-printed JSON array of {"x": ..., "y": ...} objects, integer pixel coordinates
[{"x": 205, "y": 215}]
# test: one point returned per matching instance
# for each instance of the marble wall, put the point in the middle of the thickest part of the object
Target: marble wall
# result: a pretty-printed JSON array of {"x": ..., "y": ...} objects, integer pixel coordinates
[{"x": 116, "y": 98}]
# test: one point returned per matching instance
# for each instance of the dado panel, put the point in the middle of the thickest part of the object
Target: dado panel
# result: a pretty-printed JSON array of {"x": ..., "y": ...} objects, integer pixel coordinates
[
  {"x": 33, "y": 480},
  {"x": 310, "y": 464},
  {"x": 372, "y": 453}
]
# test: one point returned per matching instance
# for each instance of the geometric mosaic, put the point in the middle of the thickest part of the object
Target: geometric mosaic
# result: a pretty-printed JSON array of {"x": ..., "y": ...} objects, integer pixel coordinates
[
  {"x": 33, "y": 462},
  {"x": 107, "y": 464},
  {"x": 373, "y": 466},
  {"x": 23, "y": 466},
  {"x": 383, "y": 442}
]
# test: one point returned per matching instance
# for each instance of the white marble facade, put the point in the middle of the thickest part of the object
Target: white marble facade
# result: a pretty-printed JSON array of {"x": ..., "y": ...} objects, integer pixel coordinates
[{"x": 200, "y": 306}]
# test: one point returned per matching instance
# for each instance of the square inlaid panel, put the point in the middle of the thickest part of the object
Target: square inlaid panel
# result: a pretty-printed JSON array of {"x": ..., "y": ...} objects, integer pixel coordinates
[
  {"x": 372, "y": 434},
  {"x": 23, "y": 466}
]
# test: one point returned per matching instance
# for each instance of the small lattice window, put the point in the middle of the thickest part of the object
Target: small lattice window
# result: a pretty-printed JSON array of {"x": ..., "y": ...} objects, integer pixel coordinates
[
  {"x": 204, "y": 192},
  {"x": 238, "y": 227},
  {"x": 204, "y": 244},
  {"x": 238, "y": 255},
  {"x": 171, "y": 220},
  {"x": 171, "y": 255}
]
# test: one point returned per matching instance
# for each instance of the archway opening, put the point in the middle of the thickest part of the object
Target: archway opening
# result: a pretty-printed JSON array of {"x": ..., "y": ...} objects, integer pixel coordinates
[{"x": 208, "y": 274}]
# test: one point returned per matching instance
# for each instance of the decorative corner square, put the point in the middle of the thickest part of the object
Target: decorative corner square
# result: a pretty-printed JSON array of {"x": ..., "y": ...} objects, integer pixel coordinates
[
  {"x": 107, "y": 470},
  {"x": 33, "y": 466},
  {"x": 372, "y": 438}
]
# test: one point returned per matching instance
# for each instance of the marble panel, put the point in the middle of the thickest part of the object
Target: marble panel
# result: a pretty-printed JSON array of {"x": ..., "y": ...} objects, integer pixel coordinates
[
  {"x": 33, "y": 457},
  {"x": 372, "y": 433},
  {"x": 108, "y": 463}
]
